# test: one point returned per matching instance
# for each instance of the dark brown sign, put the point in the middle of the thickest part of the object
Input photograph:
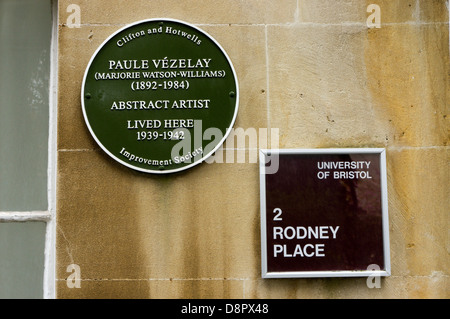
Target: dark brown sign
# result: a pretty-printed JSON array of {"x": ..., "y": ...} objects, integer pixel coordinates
[{"x": 324, "y": 213}]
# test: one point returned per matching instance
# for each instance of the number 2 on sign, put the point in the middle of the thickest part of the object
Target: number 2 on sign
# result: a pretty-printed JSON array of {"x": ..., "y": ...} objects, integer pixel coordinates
[{"x": 277, "y": 218}]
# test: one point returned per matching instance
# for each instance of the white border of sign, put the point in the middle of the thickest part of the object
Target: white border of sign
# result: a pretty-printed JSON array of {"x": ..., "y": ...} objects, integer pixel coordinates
[
  {"x": 204, "y": 156},
  {"x": 264, "y": 154}
]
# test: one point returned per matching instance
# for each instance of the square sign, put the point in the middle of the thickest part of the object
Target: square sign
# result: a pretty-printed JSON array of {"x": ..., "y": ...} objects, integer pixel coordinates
[{"x": 324, "y": 213}]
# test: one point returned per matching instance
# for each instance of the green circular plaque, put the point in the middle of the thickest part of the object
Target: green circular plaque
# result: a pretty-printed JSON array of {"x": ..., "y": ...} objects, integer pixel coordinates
[{"x": 160, "y": 96}]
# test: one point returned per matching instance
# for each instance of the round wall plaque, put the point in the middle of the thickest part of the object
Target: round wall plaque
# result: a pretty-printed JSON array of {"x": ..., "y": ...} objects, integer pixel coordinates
[{"x": 160, "y": 96}]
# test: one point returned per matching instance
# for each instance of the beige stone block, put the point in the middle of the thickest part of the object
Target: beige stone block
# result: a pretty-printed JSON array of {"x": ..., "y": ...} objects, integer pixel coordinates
[
  {"x": 310, "y": 288},
  {"x": 434, "y": 11},
  {"x": 118, "y": 224},
  {"x": 406, "y": 69},
  {"x": 355, "y": 11},
  {"x": 318, "y": 87},
  {"x": 96, "y": 224},
  {"x": 418, "y": 210},
  {"x": 192, "y": 11},
  {"x": 348, "y": 86},
  {"x": 327, "y": 12},
  {"x": 104, "y": 289},
  {"x": 433, "y": 287},
  {"x": 152, "y": 289},
  {"x": 76, "y": 47}
]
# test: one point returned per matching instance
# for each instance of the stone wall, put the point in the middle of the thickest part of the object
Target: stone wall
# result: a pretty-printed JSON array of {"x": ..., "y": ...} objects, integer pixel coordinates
[{"x": 314, "y": 70}]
